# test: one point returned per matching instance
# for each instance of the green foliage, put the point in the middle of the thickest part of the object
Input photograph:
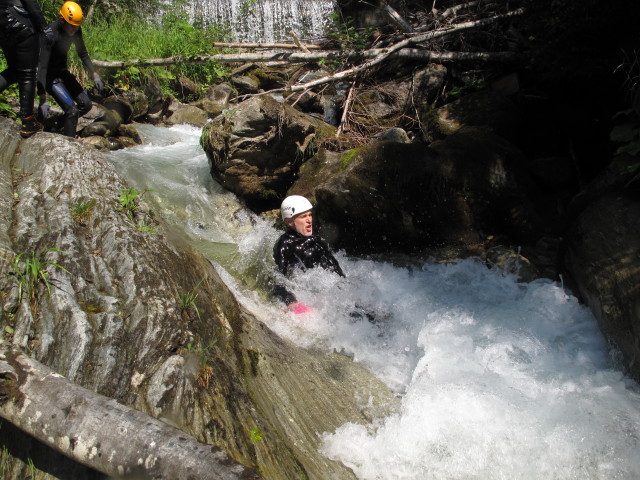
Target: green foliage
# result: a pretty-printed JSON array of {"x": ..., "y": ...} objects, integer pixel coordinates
[
  {"x": 170, "y": 35},
  {"x": 147, "y": 228},
  {"x": 6, "y": 110},
  {"x": 187, "y": 301},
  {"x": 128, "y": 200},
  {"x": 82, "y": 210},
  {"x": 32, "y": 469},
  {"x": 4, "y": 461},
  {"x": 205, "y": 372},
  {"x": 474, "y": 85},
  {"x": 347, "y": 35},
  {"x": 29, "y": 269},
  {"x": 255, "y": 434},
  {"x": 202, "y": 350}
]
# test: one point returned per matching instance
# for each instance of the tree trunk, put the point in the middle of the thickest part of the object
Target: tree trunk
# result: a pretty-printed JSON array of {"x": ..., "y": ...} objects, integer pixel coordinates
[{"x": 101, "y": 433}]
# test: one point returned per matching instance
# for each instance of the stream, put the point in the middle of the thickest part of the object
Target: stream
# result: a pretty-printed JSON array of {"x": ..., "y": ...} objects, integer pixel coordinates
[{"x": 497, "y": 378}]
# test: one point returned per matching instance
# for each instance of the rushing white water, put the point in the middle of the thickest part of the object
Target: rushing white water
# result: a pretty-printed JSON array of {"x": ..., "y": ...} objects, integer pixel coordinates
[
  {"x": 498, "y": 379},
  {"x": 267, "y": 20}
]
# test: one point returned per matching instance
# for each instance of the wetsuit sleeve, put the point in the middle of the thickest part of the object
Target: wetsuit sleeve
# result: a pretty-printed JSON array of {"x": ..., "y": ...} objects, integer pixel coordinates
[
  {"x": 83, "y": 53},
  {"x": 35, "y": 14},
  {"x": 45, "y": 56},
  {"x": 280, "y": 257}
]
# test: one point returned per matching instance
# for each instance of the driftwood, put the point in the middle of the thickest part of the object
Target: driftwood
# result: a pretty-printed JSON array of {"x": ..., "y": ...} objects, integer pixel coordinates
[{"x": 101, "y": 433}]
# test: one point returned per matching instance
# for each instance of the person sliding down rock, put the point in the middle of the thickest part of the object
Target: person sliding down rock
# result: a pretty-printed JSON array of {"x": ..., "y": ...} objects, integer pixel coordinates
[
  {"x": 299, "y": 247},
  {"x": 56, "y": 79}
]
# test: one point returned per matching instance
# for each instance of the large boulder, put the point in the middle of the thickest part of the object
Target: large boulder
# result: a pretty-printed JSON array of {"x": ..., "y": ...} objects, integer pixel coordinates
[
  {"x": 256, "y": 148},
  {"x": 179, "y": 113},
  {"x": 398, "y": 196},
  {"x": 602, "y": 255},
  {"x": 216, "y": 99}
]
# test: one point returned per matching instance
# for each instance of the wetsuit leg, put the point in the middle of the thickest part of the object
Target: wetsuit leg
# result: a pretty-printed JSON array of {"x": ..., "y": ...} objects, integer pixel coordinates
[
  {"x": 84, "y": 103},
  {"x": 27, "y": 52},
  {"x": 71, "y": 112},
  {"x": 22, "y": 60}
]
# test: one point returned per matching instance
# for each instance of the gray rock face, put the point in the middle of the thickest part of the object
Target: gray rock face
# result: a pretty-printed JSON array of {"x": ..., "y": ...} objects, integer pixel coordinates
[
  {"x": 112, "y": 322},
  {"x": 603, "y": 257},
  {"x": 256, "y": 148}
]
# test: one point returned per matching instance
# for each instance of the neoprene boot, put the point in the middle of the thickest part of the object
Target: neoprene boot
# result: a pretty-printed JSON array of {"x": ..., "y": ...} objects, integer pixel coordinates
[{"x": 30, "y": 126}]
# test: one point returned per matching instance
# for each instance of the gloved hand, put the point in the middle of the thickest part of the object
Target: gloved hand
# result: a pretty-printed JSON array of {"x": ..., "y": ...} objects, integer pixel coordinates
[
  {"x": 44, "y": 110},
  {"x": 298, "y": 308},
  {"x": 48, "y": 35},
  {"x": 98, "y": 81}
]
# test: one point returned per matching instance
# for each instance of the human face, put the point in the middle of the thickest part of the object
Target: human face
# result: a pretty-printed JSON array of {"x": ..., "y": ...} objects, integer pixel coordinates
[
  {"x": 303, "y": 223},
  {"x": 70, "y": 29}
]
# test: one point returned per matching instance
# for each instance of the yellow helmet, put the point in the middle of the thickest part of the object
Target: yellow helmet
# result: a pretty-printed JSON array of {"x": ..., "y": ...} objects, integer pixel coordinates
[{"x": 72, "y": 13}]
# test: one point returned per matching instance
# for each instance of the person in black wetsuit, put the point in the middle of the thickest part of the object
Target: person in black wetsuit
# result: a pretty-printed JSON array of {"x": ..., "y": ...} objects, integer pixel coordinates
[
  {"x": 300, "y": 248},
  {"x": 56, "y": 79},
  {"x": 20, "y": 20}
]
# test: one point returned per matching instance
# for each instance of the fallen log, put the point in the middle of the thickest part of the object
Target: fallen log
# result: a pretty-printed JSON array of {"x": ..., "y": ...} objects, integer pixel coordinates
[
  {"x": 101, "y": 433},
  {"x": 292, "y": 46},
  {"x": 299, "y": 57}
]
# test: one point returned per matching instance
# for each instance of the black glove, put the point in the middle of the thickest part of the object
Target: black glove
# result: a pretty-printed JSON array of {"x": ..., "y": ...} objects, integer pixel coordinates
[
  {"x": 98, "y": 81},
  {"x": 48, "y": 35},
  {"x": 44, "y": 110}
]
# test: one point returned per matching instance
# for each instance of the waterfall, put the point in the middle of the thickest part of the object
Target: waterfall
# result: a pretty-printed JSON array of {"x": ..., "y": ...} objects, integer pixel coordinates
[
  {"x": 497, "y": 378},
  {"x": 267, "y": 20}
]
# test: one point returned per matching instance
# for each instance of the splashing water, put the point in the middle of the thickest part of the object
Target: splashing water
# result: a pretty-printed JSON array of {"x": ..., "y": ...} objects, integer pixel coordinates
[{"x": 498, "y": 379}]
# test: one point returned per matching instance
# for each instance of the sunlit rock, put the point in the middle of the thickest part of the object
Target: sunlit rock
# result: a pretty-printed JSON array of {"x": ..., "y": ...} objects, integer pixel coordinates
[{"x": 256, "y": 148}]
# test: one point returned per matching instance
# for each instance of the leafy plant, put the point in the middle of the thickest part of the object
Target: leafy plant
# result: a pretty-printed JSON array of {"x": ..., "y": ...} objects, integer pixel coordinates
[
  {"x": 128, "y": 200},
  {"x": 82, "y": 210},
  {"x": 347, "y": 35},
  {"x": 29, "y": 269},
  {"x": 256, "y": 435},
  {"x": 205, "y": 372},
  {"x": 6, "y": 110},
  {"x": 32, "y": 469},
  {"x": 4, "y": 461},
  {"x": 187, "y": 301},
  {"x": 147, "y": 228}
]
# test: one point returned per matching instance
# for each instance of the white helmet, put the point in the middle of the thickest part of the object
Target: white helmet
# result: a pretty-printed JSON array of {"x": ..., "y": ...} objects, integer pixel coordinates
[{"x": 293, "y": 205}]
